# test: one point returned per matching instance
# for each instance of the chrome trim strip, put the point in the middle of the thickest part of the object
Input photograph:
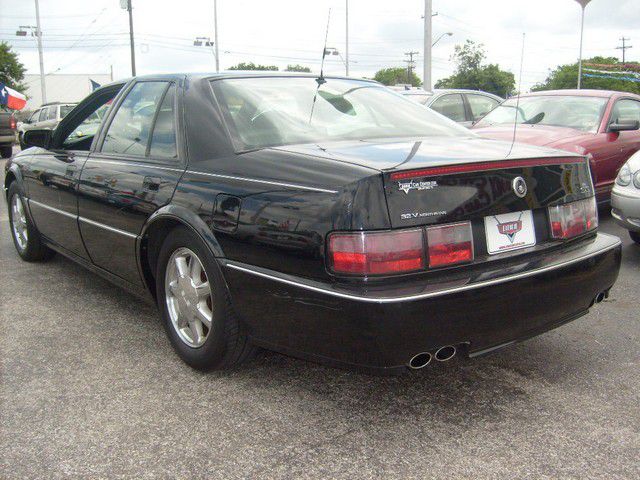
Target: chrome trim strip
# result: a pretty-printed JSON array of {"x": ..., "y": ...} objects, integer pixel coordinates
[
  {"x": 439, "y": 293},
  {"x": 266, "y": 182},
  {"x": 134, "y": 164},
  {"x": 52, "y": 209},
  {"x": 107, "y": 227}
]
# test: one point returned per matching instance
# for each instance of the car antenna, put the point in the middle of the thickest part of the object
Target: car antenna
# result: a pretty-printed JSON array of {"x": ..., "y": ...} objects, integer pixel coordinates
[
  {"x": 320, "y": 80},
  {"x": 515, "y": 121}
]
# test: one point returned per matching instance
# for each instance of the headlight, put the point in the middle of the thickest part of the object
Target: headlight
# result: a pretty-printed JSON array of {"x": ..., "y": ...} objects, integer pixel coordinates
[
  {"x": 636, "y": 179},
  {"x": 624, "y": 176}
]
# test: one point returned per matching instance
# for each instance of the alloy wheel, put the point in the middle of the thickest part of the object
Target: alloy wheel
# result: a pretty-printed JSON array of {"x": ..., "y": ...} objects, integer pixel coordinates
[
  {"x": 188, "y": 297},
  {"x": 19, "y": 222}
]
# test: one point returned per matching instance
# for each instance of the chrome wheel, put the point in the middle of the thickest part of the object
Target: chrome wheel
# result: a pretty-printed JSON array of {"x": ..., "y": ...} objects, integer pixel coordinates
[
  {"x": 19, "y": 222},
  {"x": 188, "y": 297}
]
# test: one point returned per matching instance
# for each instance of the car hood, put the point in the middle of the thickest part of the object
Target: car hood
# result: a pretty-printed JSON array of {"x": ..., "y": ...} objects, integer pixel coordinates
[
  {"x": 543, "y": 135},
  {"x": 401, "y": 154}
]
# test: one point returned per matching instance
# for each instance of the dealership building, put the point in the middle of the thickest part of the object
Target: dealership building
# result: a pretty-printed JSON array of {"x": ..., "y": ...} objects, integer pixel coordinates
[{"x": 67, "y": 88}]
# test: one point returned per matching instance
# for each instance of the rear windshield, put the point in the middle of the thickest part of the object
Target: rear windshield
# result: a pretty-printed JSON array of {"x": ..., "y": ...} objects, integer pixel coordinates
[
  {"x": 581, "y": 113},
  {"x": 263, "y": 112}
]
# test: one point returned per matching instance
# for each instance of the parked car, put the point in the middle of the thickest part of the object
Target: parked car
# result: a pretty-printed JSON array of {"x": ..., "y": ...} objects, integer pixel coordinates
[
  {"x": 625, "y": 197},
  {"x": 599, "y": 123},
  {"x": 327, "y": 218},
  {"x": 7, "y": 132},
  {"x": 47, "y": 116},
  {"x": 462, "y": 106}
]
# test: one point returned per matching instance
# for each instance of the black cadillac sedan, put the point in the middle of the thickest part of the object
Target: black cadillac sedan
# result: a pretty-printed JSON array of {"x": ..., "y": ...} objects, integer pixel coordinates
[{"x": 326, "y": 218}]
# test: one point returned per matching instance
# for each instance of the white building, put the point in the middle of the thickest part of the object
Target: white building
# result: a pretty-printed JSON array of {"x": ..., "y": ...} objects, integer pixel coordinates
[{"x": 61, "y": 87}]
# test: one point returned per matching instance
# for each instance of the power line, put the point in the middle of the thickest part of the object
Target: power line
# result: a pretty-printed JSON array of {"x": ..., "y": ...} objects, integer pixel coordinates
[{"x": 624, "y": 47}]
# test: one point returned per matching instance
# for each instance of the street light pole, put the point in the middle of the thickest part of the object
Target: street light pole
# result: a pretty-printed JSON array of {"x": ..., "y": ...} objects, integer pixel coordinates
[
  {"x": 440, "y": 38},
  {"x": 215, "y": 34},
  {"x": 426, "y": 82},
  {"x": 131, "y": 41},
  {"x": 583, "y": 5},
  {"x": 43, "y": 87},
  {"x": 346, "y": 63}
]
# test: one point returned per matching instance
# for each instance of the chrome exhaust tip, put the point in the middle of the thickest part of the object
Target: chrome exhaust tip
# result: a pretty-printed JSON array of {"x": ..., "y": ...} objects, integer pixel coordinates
[
  {"x": 445, "y": 353},
  {"x": 420, "y": 360},
  {"x": 600, "y": 297}
]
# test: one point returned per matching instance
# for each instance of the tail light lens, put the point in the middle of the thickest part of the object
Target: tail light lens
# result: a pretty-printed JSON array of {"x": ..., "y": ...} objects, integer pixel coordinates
[
  {"x": 376, "y": 253},
  {"x": 12, "y": 122},
  {"x": 573, "y": 219},
  {"x": 450, "y": 244}
]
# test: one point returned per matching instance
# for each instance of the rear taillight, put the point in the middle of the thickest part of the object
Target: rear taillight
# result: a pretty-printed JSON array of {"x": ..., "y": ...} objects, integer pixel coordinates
[
  {"x": 573, "y": 219},
  {"x": 450, "y": 244},
  {"x": 376, "y": 253},
  {"x": 12, "y": 122}
]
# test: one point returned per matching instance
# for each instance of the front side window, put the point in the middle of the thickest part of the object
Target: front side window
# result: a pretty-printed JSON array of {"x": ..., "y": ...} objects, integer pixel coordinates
[
  {"x": 480, "y": 105},
  {"x": 271, "y": 111},
  {"x": 34, "y": 116},
  {"x": 130, "y": 129},
  {"x": 625, "y": 111},
  {"x": 52, "y": 112},
  {"x": 571, "y": 111},
  {"x": 43, "y": 115},
  {"x": 451, "y": 106}
]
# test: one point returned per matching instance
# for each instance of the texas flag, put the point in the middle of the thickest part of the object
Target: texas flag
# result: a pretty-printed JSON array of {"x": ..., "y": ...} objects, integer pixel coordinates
[{"x": 11, "y": 99}]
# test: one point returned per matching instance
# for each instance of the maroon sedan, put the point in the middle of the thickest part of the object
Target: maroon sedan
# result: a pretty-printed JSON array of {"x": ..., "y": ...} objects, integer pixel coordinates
[{"x": 600, "y": 123}]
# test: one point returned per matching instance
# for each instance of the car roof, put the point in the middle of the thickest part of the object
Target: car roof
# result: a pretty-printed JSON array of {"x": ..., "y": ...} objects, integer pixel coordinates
[{"x": 579, "y": 93}]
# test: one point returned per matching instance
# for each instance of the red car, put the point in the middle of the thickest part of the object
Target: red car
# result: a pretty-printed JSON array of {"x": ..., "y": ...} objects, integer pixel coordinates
[{"x": 600, "y": 123}]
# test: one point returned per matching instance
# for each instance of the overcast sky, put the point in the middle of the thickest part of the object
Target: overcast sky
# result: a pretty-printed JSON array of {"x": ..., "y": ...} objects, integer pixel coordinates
[{"x": 82, "y": 36}]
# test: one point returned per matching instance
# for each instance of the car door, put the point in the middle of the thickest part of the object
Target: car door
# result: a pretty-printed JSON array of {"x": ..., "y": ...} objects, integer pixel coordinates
[
  {"x": 480, "y": 105},
  {"x": 615, "y": 148},
  {"x": 451, "y": 105},
  {"x": 133, "y": 173},
  {"x": 51, "y": 178}
]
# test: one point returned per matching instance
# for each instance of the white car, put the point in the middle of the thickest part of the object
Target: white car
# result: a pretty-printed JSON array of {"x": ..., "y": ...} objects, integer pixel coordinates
[{"x": 625, "y": 198}]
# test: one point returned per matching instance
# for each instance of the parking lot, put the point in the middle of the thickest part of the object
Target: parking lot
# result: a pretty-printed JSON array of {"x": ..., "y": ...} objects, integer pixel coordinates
[{"x": 90, "y": 387}]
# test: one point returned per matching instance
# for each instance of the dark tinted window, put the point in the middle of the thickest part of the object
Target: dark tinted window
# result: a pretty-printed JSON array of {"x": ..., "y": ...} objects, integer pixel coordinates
[
  {"x": 451, "y": 106},
  {"x": 163, "y": 139},
  {"x": 130, "y": 129}
]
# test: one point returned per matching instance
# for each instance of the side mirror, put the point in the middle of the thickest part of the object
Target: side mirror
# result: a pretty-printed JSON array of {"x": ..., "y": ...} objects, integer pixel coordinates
[
  {"x": 624, "y": 125},
  {"x": 37, "y": 138}
]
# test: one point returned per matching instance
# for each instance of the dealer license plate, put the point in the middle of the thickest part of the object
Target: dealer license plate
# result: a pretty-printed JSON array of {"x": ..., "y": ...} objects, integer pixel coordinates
[{"x": 509, "y": 231}]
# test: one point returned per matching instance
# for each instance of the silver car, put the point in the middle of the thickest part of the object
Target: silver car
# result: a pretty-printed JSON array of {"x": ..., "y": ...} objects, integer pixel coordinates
[
  {"x": 625, "y": 198},
  {"x": 47, "y": 116},
  {"x": 462, "y": 106}
]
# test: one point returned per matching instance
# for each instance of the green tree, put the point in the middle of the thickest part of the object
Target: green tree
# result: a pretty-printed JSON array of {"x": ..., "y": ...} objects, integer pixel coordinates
[
  {"x": 253, "y": 66},
  {"x": 11, "y": 70},
  {"x": 472, "y": 73},
  {"x": 395, "y": 75},
  {"x": 297, "y": 68},
  {"x": 566, "y": 76}
]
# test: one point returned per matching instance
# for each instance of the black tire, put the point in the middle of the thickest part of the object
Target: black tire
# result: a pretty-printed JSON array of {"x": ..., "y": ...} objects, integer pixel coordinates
[
  {"x": 35, "y": 250},
  {"x": 635, "y": 236},
  {"x": 6, "y": 151},
  {"x": 227, "y": 344}
]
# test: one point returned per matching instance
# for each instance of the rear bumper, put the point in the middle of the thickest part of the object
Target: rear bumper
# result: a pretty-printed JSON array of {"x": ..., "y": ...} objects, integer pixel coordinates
[
  {"x": 383, "y": 327},
  {"x": 625, "y": 207},
  {"x": 7, "y": 138}
]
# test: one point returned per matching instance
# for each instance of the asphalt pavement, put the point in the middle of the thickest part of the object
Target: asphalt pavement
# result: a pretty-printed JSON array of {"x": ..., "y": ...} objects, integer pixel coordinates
[{"x": 90, "y": 388}]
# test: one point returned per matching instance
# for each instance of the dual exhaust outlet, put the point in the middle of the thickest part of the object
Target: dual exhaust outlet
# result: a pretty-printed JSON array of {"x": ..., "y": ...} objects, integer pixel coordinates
[{"x": 423, "y": 359}]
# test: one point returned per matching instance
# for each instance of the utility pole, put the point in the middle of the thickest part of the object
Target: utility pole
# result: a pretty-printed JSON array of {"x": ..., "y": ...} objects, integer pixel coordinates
[
  {"x": 346, "y": 59},
  {"x": 624, "y": 47},
  {"x": 410, "y": 64},
  {"x": 583, "y": 5},
  {"x": 43, "y": 87},
  {"x": 428, "y": 32},
  {"x": 131, "y": 41},
  {"x": 215, "y": 34}
]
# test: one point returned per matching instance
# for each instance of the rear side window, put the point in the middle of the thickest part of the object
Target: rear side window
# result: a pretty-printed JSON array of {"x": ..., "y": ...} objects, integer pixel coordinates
[
  {"x": 451, "y": 106},
  {"x": 480, "y": 105},
  {"x": 163, "y": 139},
  {"x": 625, "y": 111},
  {"x": 130, "y": 129}
]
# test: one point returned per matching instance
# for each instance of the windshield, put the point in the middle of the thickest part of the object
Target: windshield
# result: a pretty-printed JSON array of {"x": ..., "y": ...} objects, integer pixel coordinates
[
  {"x": 263, "y": 112},
  {"x": 581, "y": 113}
]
